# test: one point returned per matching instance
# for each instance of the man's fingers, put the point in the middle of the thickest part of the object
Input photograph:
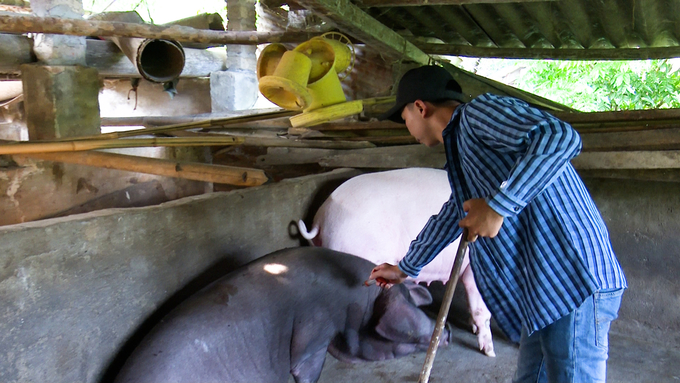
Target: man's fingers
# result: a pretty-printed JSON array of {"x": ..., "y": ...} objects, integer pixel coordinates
[{"x": 380, "y": 281}]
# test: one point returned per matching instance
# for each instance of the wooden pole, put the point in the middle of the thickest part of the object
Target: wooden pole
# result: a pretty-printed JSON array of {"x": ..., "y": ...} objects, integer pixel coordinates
[
  {"x": 27, "y": 147},
  {"x": 193, "y": 171},
  {"x": 60, "y": 26},
  {"x": 444, "y": 309}
]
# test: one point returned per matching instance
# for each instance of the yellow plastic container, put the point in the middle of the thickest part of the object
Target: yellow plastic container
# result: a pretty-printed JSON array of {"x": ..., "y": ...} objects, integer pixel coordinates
[
  {"x": 325, "y": 91},
  {"x": 287, "y": 86},
  {"x": 269, "y": 59},
  {"x": 343, "y": 54}
]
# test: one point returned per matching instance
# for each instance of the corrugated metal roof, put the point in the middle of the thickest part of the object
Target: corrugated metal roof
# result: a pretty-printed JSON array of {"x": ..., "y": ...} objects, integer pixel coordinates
[{"x": 565, "y": 24}]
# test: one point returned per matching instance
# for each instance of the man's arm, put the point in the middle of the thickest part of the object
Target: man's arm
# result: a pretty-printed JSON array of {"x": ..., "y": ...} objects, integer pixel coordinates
[
  {"x": 439, "y": 232},
  {"x": 544, "y": 143}
]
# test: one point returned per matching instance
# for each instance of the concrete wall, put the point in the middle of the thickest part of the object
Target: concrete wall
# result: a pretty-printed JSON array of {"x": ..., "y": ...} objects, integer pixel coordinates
[
  {"x": 643, "y": 223},
  {"x": 76, "y": 291}
]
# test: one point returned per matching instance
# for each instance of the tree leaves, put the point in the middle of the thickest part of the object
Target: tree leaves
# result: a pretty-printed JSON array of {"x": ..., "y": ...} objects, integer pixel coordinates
[{"x": 604, "y": 85}]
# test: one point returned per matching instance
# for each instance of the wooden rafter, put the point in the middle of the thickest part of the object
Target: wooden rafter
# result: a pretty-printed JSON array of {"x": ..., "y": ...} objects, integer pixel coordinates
[
  {"x": 355, "y": 22},
  {"x": 555, "y": 54},
  {"x": 352, "y": 20}
]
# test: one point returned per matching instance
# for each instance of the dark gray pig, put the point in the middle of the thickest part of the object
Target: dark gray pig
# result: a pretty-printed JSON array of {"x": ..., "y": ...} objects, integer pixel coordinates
[{"x": 278, "y": 315}]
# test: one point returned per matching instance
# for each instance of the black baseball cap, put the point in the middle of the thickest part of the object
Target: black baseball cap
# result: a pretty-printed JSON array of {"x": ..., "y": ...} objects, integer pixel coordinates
[{"x": 427, "y": 83}]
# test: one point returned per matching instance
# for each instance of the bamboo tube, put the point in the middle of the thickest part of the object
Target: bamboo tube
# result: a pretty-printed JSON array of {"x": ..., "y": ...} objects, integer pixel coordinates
[
  {"x": 193, "y": 171},
  {"x": 20, "y": 23},
  {"x": 74, "y": 146}
]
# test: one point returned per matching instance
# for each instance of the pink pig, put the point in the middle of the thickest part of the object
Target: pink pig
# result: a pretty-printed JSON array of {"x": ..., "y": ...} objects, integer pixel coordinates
[{"x": 376, "y": 216}]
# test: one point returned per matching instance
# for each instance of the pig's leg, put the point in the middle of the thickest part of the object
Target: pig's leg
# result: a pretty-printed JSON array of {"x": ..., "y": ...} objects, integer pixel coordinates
[
  {"x": 480, "y": 317},
  {"x": 309, "y": 369}
]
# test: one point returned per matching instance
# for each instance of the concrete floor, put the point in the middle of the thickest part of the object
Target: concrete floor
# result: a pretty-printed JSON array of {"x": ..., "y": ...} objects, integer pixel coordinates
[{"x": 630, "y": 360}]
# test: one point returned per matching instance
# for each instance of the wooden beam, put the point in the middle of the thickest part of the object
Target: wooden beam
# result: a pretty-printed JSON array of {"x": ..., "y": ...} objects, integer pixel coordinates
[
  {"x": 20, "y": 23},
  {"x": 421, "y": 156},
  {"x": 193, "y": 171},
  {"x": 656, "y": 175},
  {"x": 665, "y": 159},
  {"x": 391, "y": 157},
  {"x": 647, "y": 140},
  {"x": 351, "y": 20},
  {"x": 554, "y": 54},
  {"x": 293, "y": 143},
  {"x": 416, "y": 3},
  {"x": 619, "y": 116}
]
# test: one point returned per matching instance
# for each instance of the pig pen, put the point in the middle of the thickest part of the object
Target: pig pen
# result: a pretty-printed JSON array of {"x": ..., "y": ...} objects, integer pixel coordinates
[{"x": 78, "y": 292}]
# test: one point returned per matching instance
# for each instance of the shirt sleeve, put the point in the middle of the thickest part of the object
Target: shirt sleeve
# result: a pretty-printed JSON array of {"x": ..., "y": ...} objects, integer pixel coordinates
[
  {"x": 439, "y": 232},
  {"x": 543, "y": 143}
]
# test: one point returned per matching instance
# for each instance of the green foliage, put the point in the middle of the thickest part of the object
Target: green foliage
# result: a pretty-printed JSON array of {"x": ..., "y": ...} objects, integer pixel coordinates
[{"x": 604, "y": 85}]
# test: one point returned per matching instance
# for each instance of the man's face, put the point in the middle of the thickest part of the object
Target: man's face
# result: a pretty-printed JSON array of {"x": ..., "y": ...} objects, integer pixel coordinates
[{"x": 418, "y": 125}]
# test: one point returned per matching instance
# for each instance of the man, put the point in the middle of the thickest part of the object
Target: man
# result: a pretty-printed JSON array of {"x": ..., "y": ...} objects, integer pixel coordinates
[{"x": 541, "y": 253}]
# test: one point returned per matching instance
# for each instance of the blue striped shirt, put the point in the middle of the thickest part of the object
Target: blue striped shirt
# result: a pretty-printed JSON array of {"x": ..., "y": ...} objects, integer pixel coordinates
[{"x": 553, "y": 249}]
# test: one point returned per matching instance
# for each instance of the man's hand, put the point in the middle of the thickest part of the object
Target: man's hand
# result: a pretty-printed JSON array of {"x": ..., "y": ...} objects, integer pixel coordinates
[
  {"x": 386, "y": 275},
  {"x": 481, "y": 220}
]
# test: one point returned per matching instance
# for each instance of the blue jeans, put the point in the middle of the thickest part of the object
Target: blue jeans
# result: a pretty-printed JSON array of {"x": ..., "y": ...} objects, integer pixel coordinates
[{"x": 575, "y": 348}]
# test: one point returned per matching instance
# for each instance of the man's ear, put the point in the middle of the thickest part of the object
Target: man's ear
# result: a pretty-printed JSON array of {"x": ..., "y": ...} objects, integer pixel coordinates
[{"x": 422, "y": 108}]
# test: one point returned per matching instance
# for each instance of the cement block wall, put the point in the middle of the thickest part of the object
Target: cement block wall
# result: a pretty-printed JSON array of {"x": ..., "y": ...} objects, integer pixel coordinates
[
  {"x": 77, "y": 293},
  {"x": 74, "y": 290},
  {"x": 643, "y": 223}
]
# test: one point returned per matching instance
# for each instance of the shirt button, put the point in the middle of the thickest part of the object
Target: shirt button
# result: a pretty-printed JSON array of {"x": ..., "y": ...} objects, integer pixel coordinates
[{"x": 516, "y": 208}]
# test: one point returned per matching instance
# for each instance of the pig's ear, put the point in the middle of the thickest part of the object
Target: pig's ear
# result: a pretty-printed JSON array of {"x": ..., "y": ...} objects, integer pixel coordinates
[{"x": 419, "y": 294}]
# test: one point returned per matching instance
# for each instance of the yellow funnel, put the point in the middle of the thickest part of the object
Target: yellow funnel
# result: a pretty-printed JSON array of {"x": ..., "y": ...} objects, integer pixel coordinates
[
  {"x": 324, "y": 84},
  {"x": 326, "y": 91},
  {"x": 269, "y": 59},
  {"x": 321, "y": 54},
  {"x": 286, "y": 87},
  {"x": 343, "y": 54}
]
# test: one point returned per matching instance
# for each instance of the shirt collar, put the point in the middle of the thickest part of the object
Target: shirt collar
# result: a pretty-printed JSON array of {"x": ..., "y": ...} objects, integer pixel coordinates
[{"x": 452, "y": 125}]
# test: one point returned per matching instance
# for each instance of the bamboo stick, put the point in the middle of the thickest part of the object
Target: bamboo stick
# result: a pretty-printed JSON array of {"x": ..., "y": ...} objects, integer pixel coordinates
[
  {"x": 187, "y": 170},
  {"x": 20, "y": 23},
  {"x": 206, "y": 123},
  {"x": 155, "y": 121},
  {"x": 27, "y": 147}
]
